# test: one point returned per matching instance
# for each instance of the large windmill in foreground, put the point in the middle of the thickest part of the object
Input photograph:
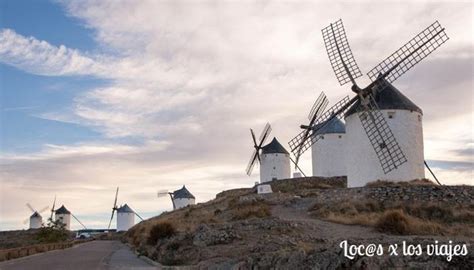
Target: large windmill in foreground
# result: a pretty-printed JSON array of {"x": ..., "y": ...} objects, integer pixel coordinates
[{"x": 383, "y": 127}]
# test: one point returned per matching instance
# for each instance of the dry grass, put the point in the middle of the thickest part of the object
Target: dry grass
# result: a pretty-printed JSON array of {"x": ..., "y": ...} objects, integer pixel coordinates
[
  {"x": 399, "y": 218},
  {"x": 415, "y": 182},
  {"x": 396, "y": 221},
  {"x": 254, "y": 209},
  {"x": 304, "y": 184}
]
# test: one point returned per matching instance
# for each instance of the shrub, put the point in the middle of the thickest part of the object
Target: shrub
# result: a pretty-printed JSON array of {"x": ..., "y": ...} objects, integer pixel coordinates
[
  {"x": 51, "y": 235},
  {"x": 160, "y": 231},
  {"x": 393, "y": 221}
]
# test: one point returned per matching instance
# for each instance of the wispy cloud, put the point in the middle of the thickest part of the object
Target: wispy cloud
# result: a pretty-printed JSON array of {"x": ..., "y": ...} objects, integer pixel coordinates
[{"x": 186, "y": 80}]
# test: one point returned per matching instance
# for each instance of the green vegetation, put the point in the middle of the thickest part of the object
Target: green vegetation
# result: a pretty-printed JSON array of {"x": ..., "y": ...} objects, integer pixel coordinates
[{"x": 52, "y": 233}]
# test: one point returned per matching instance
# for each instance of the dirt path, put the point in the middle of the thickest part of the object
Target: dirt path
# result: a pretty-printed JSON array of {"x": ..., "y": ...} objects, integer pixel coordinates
[{"x": 325, "y": 229}]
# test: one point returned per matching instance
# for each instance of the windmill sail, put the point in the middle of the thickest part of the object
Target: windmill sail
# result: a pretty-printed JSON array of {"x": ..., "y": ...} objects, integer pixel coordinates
[
  {"x": 410, "y": 54},
  {"x": 255, "y": 154},
  {"x": 340, "y": 54},
  {"x": 381, "y": 137},
  {"x": 303, "y": 141}
]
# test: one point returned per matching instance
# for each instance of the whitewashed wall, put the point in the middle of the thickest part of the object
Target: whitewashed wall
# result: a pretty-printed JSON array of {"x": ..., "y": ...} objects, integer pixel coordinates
[
  {"x": 183, "y": 202},
  {"x": 329, "y": 155},
  {"x": 65, "y": 219},
  {"x": 363, "y": 165},
  {"x": 125, "y": 221},
  {"x": 274, "y": 166},
  {"x": 35, "y": 222}
]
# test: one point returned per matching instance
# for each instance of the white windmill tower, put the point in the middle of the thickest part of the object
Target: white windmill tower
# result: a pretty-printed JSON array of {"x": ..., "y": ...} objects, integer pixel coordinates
[
  {"x": 35, "y": 220},
  {"x": 125, "y": 215},
  {"x": 63, "y": 216},
  {"x": 379, "y": 113},
  {"x": 274, "y": 159},
  {"x": 328, "y": 154},
  {"x": 180, "y": 198}
]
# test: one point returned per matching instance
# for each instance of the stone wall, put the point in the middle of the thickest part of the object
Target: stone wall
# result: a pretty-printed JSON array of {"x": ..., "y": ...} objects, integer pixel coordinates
[{"x": 449, "y": 194}]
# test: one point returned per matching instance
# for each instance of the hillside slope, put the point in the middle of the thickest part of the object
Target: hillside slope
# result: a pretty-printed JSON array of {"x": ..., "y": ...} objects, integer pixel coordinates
[{"x": 302, "y": 224}]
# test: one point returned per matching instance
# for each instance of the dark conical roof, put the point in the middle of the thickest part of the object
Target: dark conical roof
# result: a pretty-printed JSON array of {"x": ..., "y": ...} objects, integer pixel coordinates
[
  {"x": 390, "y": 98},
  {"x": 182, "y": 193},
  {"x": 35, "y": 215},
  {"x": 62, "y": 210},
  {"x": 333, "y": 126},
  {"x": 125, "y": 209},
  {"x": 274, "y": 147}
]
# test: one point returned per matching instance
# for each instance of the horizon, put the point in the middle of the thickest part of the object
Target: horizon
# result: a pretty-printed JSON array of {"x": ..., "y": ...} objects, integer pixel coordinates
[{"x": 152, "y": 96}]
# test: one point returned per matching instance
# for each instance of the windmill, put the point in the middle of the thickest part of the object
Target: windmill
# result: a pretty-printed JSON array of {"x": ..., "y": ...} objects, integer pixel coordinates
[
  {"x": 125, "y": 215},
  {"x": 328, "y": 155},
  {"x": 273, "y": 158},
  {"x": 366, "y": 102},
  {"x": 180, "y": 198},
  {"x": 35, "y": 220},
  {"x": 63, "y": 215}
]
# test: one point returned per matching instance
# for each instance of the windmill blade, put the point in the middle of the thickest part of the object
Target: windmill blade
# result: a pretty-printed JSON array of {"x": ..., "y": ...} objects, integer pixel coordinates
[
  {"x": 253, "y": 137},
  {"x": 116, "y": 195},
  {"x": 255, "y": 145},
  {"x": 319, "y": 106},
  {"x": 162, "y": 193},
  {"x": 381, "y": 137},
  {"x": 111, "y": 217},
  {"x": 52, "y": 208},
  {"x": 136, "y": 214},
  {"x": 114, "y": 207},
  {"x": 255, "y": 155},
  {"x": 43, "y": 209},
  {"x": 78, "y": 221},
  {"x": 410, "y": 54},
  {"x": 300, "y": 143},
  {"x": 139, "y": 216},
  {"x": 339, "y": 52},
  {"x": 31, "y": 207},
  {"x": 253, "y": 159},
  {"x": 264, "y": 135}
]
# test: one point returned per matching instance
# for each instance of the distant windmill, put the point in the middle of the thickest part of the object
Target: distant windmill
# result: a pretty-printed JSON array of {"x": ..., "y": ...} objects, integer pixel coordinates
[
  {"x": 180, "y": 198},
  {"x": 125, "y": 215},
  {"x": 273, "y": 158},
  {"x": 63, "y": 216},
  {"x": 35, "y": 220},
  {"x": 372, "y": 105}
]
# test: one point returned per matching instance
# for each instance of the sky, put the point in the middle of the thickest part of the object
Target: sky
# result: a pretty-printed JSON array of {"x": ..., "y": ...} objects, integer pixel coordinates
[{"x": 153, "y": 95}]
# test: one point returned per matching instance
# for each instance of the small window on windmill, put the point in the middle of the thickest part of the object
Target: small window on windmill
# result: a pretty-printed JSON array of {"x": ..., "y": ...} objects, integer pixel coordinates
[
  {"x": 274, "y": 168},
  {"x": 391, "y": 115},
  {"x": 340, "y": 136},
  {"x": 419, "y": 118},
  {"x": 322, "y": 137}
]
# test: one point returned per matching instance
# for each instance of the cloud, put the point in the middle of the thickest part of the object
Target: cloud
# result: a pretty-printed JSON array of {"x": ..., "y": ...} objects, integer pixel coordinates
[
  {"x": 185, "y": 82},
  {"x": 40, "y": 57}
]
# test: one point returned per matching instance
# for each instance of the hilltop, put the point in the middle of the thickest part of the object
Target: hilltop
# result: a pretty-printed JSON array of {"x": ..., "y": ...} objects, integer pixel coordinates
[{"x": 302, "y": 224}]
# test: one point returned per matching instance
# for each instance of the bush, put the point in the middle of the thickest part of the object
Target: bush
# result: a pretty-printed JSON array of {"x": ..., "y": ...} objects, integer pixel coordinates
[
  {"x": 160, "y": 231},
  {"x": 53, "y": 233},
  {"x": 393, "y": 221}
]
